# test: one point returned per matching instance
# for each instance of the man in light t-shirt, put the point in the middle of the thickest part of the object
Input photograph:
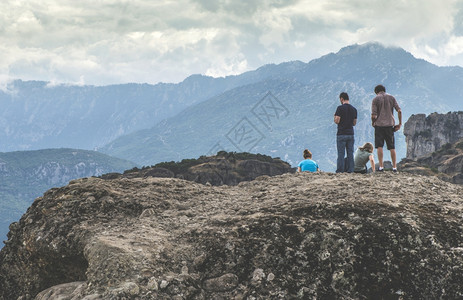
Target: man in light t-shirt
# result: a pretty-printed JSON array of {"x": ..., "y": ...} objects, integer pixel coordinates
[{"x": 382, "y": 119}]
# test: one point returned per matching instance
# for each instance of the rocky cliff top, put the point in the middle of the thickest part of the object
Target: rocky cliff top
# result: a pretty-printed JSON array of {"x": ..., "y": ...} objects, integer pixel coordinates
[
  {"x": 228, "y": 168},
  {"x": 445, "y": 163},
  {"x": 304, "y": 235},
  {"x": 427, "y": 134},
  {"x": 435, "y": 146}
]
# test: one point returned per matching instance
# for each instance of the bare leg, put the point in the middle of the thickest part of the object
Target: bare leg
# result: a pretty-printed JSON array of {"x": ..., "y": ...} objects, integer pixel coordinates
[
  {"x": 379, "y": 151},
  {"x": 393, "y": 158}
]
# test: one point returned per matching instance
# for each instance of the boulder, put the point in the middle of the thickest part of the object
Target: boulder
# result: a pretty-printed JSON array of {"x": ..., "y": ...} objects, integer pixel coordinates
[{"x": 290, "y": 236}]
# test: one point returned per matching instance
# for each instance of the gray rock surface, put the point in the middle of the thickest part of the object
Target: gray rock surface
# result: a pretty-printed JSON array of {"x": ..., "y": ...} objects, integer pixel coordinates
[
  {"x": 445, "y": 163},
  {"x": 435, "y": 146},
  {"x": 293, "y": 236},
  {"x": 427, "y": 134}
]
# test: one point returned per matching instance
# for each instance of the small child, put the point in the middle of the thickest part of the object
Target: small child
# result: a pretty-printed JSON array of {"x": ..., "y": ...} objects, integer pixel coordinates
[
  {"x": 307, "y": 164},
  {"x": 361, "y": 158}
]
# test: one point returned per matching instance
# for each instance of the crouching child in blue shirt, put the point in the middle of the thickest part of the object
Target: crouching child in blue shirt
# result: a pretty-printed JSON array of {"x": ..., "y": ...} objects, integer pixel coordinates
[{"x": 307, "y": 164}]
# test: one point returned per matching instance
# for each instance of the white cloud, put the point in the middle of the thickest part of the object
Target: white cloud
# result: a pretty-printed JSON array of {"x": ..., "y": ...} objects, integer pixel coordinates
[
  {"x": 5, "y": 84},
  {"x": 454, "y": 46},
  {"x": 275, "y": 26},
  {"x": 224, "y": 67},
  {"x": 104, "y": 42}
]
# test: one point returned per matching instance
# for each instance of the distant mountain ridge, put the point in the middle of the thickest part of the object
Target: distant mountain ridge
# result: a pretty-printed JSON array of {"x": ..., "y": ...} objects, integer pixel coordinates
[
  {"x": 37, "y": 115},
  {"x": 149, "y": 124},
  {"x": 307, "y": 95}
]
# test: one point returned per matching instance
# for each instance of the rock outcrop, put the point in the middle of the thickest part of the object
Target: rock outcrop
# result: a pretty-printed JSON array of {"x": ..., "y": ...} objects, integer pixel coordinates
[
  {"x": 445, "y": 163},
  {"x": 435, "y": 146},
  {"x": 293, "y": 236},
  {"x": 228, "y": 168},
  {"x": 427, "y": 134}
]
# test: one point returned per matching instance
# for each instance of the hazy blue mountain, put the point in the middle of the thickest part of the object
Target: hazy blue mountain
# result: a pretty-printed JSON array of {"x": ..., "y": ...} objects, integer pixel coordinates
[
  {"x": 293, "y": 108},
  {"x": 38, "y": 115},
  {"x": 26, "y": 175}
]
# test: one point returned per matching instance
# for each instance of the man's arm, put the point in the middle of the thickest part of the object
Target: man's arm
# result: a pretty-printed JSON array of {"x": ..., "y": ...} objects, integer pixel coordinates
[
  {"x": 373, "y": 119},
  {"x": 337, "y": 119},
  {"x": 355, "y": 122},
  {"x": 399, "y": 111},
  {"x": 397, "y": 127},
  {"x": 374, "y": 112}
]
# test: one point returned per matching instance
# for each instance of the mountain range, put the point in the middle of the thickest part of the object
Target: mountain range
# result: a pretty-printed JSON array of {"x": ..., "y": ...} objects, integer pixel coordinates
[
  {"x": 131, "y": 219},
  {"x": 292, "y": 108},
  {"x": 38, "y": 114},
  {"x": 277, "y": 110}
]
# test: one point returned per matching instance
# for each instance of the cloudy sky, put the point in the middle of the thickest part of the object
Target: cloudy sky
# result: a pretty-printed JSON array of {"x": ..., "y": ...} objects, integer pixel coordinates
[{"x": 102, "y": 42}]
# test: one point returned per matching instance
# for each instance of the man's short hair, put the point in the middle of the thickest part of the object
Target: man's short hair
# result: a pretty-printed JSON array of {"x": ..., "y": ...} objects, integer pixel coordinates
[
  {"x": 380, "y": 88},
  {"x": 344, "y": 96}
]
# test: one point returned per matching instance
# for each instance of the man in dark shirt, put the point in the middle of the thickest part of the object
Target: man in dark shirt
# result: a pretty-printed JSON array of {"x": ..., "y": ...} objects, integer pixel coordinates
[{"x": 346, "y": 118}]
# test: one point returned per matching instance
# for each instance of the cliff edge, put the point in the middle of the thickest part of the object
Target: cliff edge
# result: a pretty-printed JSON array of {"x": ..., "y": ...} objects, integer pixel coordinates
[
  {"x": 292, "y": 236},
  {"x": 228, "y": 168},
  {"x": 435, "y": 146},
  {"x": 427, "y": 134}
]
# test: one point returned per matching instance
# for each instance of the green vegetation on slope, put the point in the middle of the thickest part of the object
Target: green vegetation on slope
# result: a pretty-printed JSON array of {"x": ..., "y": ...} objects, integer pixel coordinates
[{"x": 26, "y": 175}]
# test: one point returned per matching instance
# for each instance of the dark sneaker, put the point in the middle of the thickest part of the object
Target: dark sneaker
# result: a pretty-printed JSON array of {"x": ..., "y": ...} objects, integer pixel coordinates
[
  {"x": 395, "y": 171},
  {"x": 380, "y": 170}
]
